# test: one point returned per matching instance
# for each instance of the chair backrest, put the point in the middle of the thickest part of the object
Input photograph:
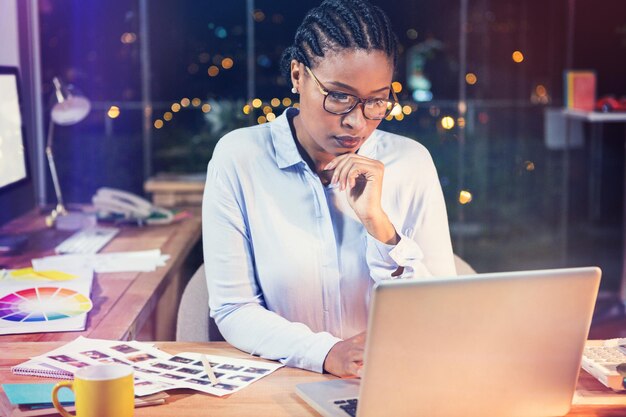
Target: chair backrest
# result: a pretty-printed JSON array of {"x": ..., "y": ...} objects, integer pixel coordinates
[
  {"x": 462, "y": 267},
  {"x": 194, "y": 323}
]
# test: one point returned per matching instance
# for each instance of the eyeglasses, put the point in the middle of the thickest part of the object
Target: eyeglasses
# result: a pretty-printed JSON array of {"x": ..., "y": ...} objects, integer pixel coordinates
[{"x": 337, "y": 102}]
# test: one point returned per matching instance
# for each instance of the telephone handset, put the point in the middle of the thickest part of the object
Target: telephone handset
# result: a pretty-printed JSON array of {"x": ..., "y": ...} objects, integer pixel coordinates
[{"x": 131, "y": 206}]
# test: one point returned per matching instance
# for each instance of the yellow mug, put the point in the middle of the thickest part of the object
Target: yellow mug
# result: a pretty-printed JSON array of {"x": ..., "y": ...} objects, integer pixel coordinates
[{"x": 100, "y": 391}]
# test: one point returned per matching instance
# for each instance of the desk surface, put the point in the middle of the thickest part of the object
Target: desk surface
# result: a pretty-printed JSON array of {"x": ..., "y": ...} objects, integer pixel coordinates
[
  {"x": 123, "y": 302},
  {"x": 272, "y": 396}
]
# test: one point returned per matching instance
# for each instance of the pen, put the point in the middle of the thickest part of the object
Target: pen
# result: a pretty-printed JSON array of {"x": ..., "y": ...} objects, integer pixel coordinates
[{"x": 208, "y": 369}]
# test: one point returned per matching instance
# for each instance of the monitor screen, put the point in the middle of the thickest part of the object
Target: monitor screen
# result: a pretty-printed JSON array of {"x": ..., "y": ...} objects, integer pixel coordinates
[{"x": 13, "y": 166}]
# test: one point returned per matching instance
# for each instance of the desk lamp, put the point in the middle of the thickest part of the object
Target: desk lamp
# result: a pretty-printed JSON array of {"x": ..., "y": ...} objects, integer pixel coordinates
[{"x": 69, "y": 108}]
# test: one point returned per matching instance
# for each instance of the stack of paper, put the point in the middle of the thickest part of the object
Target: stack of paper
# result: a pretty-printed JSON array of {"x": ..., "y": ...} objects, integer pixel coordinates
[
  {"x": 35, "y": 400},
  {"x": 142, "y": 261}
]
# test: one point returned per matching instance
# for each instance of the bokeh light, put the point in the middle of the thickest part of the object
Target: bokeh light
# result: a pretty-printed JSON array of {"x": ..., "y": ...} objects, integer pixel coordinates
[
  {"x": 128, "y": 37},
  {"x": 193, "y": 68},
  {"x": 113, "y": 112},
  {"x": 518, "y": 56},
  {"x": 227, "y": 63},
  {"x": 541, "y": 90},
  {"x": 465, "y": 197},
  {"x": 204, "y": 57},
  {"x": 258, "y": 16},
  {"x": 471, "y": 78},
  {"x": 447, "y": 122}
]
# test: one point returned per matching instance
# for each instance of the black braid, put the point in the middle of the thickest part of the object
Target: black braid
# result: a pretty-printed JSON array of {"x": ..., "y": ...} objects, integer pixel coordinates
[
  {"x": 352, "y": 21},
  {"x": 340, "y": 24}
]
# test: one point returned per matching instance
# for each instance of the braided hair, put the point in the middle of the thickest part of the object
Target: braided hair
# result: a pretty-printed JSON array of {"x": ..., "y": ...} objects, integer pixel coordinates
[{"x": 336, "y": 25}]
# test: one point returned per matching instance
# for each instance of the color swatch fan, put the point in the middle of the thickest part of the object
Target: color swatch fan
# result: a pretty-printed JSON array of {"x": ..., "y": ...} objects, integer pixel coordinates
[
  {"x": 38, "y": 305},
  {"x": 43, "y": 304}
]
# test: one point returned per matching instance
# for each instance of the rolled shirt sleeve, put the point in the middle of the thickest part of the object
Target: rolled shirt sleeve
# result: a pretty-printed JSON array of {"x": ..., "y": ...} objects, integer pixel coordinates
[{"x": 424, "y": 249}]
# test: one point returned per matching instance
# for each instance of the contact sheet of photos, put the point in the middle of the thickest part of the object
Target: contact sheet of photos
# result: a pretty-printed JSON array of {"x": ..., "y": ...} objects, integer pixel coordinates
[{"x": 156, "y": 370}]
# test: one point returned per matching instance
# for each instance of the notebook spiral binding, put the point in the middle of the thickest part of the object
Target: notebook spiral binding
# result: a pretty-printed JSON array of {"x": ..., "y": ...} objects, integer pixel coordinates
[{"x": 33, "y": 368}]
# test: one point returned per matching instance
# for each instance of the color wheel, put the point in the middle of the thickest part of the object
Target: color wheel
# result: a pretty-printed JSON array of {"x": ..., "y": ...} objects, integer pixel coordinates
[{"x": 43, "y": 304}]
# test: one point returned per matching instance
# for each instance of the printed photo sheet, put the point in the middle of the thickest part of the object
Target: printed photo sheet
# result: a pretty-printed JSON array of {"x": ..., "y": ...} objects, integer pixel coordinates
[{"x": 156, "y": 370}]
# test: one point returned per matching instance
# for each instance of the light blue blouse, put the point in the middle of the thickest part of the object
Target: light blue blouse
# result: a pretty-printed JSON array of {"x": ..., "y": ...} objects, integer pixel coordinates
[{"x": 289, "y": 266}]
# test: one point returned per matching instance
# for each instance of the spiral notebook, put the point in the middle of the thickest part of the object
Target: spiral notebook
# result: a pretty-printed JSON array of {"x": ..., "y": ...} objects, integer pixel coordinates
[
  {"x": 37, "y": 368},
  {"x": 44, "y": 367}
]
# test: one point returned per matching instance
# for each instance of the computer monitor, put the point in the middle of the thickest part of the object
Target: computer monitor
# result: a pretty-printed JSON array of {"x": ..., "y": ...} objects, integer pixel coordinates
[
  {"x": 13, "y": 163},
  {"x": 16, "y": 188},
  {"x": 13, "y": 159}
]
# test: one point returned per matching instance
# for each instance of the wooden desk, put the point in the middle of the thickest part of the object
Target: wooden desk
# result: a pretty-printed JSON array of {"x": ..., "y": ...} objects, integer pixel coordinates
[
  {"x": 272, "y": 396},
  {"x": 129, "y": 305}
]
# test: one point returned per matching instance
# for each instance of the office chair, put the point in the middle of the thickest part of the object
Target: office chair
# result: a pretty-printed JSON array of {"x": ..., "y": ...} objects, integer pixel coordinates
[
  {"x": 194, "y": 323},
  {"x": 462, "y": 267}
]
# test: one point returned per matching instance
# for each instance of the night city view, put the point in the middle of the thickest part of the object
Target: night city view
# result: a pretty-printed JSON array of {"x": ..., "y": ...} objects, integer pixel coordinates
[{"x": 503, "y": 182}]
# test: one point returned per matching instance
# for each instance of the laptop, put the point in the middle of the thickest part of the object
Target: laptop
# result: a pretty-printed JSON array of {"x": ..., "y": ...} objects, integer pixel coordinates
[{"x": 499, "y": 344}]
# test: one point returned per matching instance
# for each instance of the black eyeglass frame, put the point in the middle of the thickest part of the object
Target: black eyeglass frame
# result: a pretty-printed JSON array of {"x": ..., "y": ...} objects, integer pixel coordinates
[{"x": 326, "y": 92}]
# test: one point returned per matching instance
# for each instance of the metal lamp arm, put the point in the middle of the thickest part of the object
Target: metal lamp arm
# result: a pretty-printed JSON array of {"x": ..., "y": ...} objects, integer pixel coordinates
[{"x": 60, "y": 209}]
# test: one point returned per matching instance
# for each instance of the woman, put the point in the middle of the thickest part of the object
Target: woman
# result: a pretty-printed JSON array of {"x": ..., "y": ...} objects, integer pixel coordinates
[{"x": 301, "y": 216}]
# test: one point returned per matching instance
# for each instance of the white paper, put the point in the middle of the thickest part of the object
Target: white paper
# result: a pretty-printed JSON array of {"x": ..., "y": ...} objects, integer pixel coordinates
[
  {"x": 156, "y": 370},
  {"x": 138, "y": 261}
]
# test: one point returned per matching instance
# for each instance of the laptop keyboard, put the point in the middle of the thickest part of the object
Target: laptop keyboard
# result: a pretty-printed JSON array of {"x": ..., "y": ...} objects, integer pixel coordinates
[{"x": 349, "y": 406}]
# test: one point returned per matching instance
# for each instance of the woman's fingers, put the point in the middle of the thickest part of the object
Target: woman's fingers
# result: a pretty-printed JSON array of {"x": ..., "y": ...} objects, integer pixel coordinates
[
  {"x": 347, "y": 168},
  {"x": 346, "y": 357},
  {"x": 354, "y": 369}
]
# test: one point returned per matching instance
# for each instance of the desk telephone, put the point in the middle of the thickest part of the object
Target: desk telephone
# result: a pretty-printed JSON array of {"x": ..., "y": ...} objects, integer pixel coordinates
[{"x": 131, "y": 206}]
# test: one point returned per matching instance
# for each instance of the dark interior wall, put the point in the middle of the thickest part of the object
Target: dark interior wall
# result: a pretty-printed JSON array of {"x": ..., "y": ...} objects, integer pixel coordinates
[{"x": 16, "y": 200}]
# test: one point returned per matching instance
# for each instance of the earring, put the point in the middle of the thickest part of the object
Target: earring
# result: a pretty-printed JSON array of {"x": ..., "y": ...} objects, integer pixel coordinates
[{"x": 294, "y": 90}]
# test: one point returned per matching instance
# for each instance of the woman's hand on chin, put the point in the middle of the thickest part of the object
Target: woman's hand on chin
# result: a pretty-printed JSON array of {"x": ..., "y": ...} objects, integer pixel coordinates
[{"x": 362, "y": 180}]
